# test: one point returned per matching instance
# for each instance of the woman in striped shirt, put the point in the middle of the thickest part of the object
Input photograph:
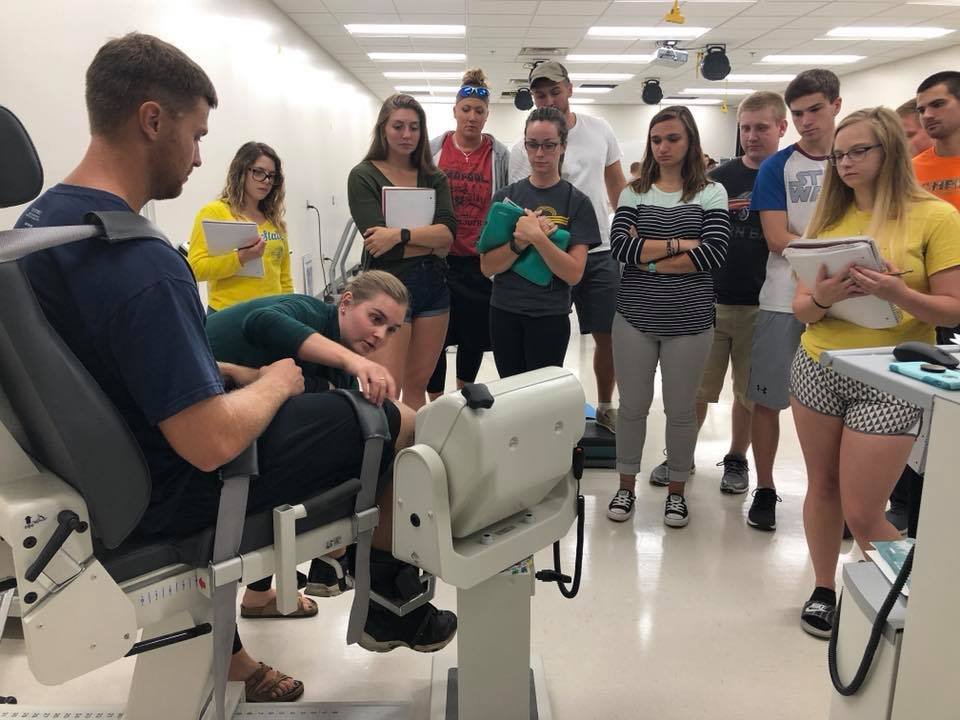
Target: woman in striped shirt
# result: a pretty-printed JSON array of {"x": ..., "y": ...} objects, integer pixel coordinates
[{"x": 671, "y": 229}]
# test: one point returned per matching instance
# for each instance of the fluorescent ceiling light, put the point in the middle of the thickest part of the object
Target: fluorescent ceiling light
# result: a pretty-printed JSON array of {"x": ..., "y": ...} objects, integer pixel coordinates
[
  {"x": 939, "y": 3},
  {"x": 388, "y": 30},
  {"x": 660, "y": 32},
  {"x": 717, "y": 91},
  {"x": 811, "y": 59},
  {"x": 581, "y": 101},
  {"x": 758, "y": 78},
  {"x": 688, "y": 2},
  {"x": 427, "y": 88},
  {"x": 689, "y": 101},
  {"x": 904, "y": 34},
  {"x": 423, "y": 99},
  {"x": 632, "y": 59},
  {"x": 592, "y": 90},
  {"x": 612, "y": 77},
  {"x": 424, "y": 75},
  {"x": 417, "y": 57}
]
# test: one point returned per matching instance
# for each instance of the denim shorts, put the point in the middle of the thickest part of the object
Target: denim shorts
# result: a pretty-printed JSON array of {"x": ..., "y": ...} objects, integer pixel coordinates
[{"x": 426, "y": 281}]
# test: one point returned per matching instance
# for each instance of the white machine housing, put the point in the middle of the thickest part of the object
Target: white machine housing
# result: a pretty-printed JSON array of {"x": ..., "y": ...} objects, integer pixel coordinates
[{"x": 485, "y": 488}]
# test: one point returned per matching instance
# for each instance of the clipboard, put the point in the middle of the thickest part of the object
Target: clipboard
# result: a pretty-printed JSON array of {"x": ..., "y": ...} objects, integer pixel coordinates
[
  {"x": 408, "y": 207},
  {"x": 806, "y": 255},
  {"x": 225, "y": 236}
]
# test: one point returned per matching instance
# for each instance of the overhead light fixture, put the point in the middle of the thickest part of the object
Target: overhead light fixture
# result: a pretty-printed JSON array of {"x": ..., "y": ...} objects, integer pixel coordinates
[
  {"x": 675, "y": 16},
  {"x": 689, "y": 101},
  {"x": 652, "y": 92},
  {"x": 596, "y": 90},
  {"x": 416, "y": 57},
  {"x": 424, "y": 74},
  {"x": 404, "y": 30},
  {"x": 427, "y": 88},
  {"x": 937, "y": 3},
  {"x": 759, "y": 78},
  {"x": 626, "y": 59},
  {"x": 715, "y": 65},
  {"x": 647, "y": 32},
  {"x": 612, "y": 77},
  {"x": 900, "y": 34},
  {"x": 811, "y": 59},
  {"x": 582, "y": 101},
  {"x": 717, "y": 91},
  {"x": 688, "y": 2}
]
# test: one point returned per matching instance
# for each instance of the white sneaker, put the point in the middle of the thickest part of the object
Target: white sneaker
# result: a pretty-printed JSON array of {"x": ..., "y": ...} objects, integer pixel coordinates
[
  {"x": 621, "y": 506},
  {"x": 607, "y": 419}
]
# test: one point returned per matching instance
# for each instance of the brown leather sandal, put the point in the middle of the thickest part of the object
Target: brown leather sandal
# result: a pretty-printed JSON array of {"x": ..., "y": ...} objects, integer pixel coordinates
[
  {"x": 305, "y": 608},
  {"x": 261, "y": 686}
]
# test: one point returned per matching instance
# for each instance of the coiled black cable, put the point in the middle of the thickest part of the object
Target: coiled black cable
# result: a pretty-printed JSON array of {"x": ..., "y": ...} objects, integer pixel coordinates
[
  {"x": 556, "y": 574},
  {"x": 867, "y": 660}
]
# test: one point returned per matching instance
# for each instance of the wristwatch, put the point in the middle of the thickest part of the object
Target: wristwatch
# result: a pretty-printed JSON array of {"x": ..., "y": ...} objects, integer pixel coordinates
[
  {"x": 651, "y": 267},
  {"x": 513, "y": 246},
  {"x": 404, "y": 236}
]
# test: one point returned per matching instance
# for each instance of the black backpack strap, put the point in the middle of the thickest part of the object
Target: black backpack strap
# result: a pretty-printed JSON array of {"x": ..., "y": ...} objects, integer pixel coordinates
[{"x": 120, "y": 225}]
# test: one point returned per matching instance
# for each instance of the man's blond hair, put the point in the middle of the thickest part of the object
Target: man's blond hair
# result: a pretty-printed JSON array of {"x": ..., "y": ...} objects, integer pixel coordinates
[{"x": 762, "y": 100}]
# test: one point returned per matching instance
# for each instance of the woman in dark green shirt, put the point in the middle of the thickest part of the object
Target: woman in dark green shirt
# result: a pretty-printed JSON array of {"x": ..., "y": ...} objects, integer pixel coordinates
[{"x": 399, "y": 156}]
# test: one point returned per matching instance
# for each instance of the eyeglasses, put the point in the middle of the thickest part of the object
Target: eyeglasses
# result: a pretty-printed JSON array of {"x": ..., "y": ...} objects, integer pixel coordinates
[
  {"x": 548, "y": 146},
  {"x": 263, "y": 176},
  {"x": 468, "y": 90},
  {"x": 855, "y": 154}
]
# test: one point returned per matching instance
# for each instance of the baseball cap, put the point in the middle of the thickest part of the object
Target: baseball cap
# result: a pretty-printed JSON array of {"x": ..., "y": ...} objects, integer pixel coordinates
[{"x": 550, "y": 70}]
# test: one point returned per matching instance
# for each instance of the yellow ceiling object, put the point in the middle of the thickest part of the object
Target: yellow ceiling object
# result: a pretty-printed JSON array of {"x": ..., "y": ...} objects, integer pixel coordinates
[
  {"x": 675, "y": 16},
  {"x": 723, "y": 105}
]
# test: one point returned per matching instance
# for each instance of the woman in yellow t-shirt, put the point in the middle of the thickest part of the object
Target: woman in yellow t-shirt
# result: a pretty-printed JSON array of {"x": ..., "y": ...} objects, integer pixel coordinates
[
  {"x": 253, "y": 192},
  {"x": 855, "y": 438}
]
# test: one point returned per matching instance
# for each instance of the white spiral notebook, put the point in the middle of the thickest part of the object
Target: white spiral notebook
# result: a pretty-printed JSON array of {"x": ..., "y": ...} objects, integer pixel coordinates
[{"x": 806, "y": 255}]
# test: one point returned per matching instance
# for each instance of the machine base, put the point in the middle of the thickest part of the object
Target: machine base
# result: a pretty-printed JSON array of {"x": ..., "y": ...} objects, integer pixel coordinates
[{"x": 443, "y": 691}]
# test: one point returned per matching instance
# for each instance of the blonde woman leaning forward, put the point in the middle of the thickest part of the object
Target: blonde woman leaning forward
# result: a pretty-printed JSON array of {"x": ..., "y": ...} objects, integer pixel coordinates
[{"x": 855, "y": 438}]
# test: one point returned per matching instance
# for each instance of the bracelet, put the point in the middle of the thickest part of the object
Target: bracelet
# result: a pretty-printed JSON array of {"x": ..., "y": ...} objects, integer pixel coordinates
[
  {"x": 513, "y": 246},
  {"x": 822, "y": 307},
  {"x": 673, "y": 246}
]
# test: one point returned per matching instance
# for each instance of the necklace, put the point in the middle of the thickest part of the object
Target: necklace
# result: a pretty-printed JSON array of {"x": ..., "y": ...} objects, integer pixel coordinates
[{"x": 466, "y": 155}]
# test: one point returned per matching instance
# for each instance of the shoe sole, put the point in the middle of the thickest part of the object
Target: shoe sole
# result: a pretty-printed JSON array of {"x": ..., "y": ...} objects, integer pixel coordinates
[
  {"x": 816, "y": 632},
  {"x": 733, "y": 489},
  {"x": 758, "y": 526},
  {"x": 368, "y": 642},
  {"x": 612, "y": 430},
  {"x": 323, "y": 591},
  {"x": 676, "y": 522},
  {"x": 619, "y": 517}
]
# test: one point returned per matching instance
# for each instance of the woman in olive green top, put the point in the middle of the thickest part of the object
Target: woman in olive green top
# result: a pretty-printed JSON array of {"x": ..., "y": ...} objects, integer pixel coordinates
[{"x": 399, "y": 155}]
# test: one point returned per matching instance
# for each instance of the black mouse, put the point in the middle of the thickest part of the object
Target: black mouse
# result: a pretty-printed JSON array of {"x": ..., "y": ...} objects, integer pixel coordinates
[{"x": 915, "y": 351}]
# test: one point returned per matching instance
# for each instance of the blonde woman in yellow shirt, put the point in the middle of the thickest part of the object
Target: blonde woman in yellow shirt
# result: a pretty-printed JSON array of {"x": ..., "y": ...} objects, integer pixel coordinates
[
  {"x": 253, "y": 192},
  {"x": 855, "y": 438}
]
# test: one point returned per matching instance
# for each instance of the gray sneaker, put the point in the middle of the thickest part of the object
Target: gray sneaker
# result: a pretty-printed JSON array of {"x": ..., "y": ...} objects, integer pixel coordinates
[
  {"x": 736, "y": 474},
  {"x": 607, "y": 419},
  {"x": 660, "y": 475}
]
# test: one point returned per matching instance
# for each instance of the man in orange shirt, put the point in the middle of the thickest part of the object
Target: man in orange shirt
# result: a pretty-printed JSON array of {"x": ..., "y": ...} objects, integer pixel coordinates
[{"x": 938, "y": 107}]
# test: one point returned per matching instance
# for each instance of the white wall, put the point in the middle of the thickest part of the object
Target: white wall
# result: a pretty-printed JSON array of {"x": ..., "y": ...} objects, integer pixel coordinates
[
  {"x": 891, "y": 84},
  {"x": 629, "y": 122},
  {"x": 274, "y": 83}
]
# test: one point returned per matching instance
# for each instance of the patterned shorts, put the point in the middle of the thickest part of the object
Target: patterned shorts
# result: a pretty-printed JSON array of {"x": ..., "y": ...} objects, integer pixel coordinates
[{"x": 863, "y": 408}]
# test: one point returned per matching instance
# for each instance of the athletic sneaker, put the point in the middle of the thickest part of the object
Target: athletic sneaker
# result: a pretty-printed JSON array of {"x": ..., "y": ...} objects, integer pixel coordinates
[
  {"x": 675, "y": 511},
  {"x": 607, "y": 419},
  {"x": 328, "y": 577},
  {"x": 425, "y": 629},
  {"x": 819, "y": 612},
  {"x": 763, "y": 511},
  {"x": 660, "y": 475},
  {"x": 621, "y": 507},
  {"x": 736, "y": 474}
]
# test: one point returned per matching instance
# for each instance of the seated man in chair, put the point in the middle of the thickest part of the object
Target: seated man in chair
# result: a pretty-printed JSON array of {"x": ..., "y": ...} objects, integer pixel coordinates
[{"x": 131, "y": 314}]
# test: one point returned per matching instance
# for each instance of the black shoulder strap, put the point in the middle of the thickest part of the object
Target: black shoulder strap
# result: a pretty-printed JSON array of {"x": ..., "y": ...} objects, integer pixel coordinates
[{"x": 120, "y": 225}]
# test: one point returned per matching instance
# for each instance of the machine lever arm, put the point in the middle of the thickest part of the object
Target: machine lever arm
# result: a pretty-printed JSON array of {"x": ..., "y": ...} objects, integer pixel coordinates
[{"x": 67, "y": 522}]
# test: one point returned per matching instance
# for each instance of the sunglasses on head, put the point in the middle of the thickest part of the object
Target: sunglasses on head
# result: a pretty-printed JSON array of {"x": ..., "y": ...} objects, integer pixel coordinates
[{"x": 472, "y": 90}]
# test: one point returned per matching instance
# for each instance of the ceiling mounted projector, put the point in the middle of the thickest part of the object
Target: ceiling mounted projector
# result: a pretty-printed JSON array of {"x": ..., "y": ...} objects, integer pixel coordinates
[
  {"x": 652, "y": 92},
  {"x": 670, "y": 56}
]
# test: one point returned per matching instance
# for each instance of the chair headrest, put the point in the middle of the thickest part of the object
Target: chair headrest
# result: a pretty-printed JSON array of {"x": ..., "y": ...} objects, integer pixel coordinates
[{"x": 22, "y": 176}]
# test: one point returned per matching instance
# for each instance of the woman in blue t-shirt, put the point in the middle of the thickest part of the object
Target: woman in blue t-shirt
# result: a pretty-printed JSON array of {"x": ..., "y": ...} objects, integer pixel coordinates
[
  {"x": 671, "y": 230},
  {"x": 530, "y": 323}
]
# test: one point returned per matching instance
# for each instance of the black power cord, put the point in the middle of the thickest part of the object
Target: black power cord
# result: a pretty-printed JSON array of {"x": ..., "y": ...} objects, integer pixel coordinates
[
  {"x": 556, "y": 574},
  {"x": 877, "y": 631},
  {"x": 323, "y": 260}
]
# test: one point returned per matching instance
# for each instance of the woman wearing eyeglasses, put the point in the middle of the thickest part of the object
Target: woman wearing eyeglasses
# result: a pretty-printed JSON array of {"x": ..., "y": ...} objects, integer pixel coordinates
[
  {"x": 855, "y": 438},
  {"x": 530, "y": 322},
  {"x": 253, "y": 192},
  {"x": 476, "y": 165}
]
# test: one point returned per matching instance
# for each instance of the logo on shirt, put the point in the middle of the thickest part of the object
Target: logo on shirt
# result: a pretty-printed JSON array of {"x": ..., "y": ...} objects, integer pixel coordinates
[
  {"x": 552, "y": 215},
  {"x": 947, "y": 185},
  {"x": 806, "y": 188},
  {"x": 740, "y": 207}
]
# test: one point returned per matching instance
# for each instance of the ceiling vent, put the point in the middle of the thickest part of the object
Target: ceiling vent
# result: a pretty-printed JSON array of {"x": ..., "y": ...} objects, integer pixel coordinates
[{"x": 540, "y": 52}]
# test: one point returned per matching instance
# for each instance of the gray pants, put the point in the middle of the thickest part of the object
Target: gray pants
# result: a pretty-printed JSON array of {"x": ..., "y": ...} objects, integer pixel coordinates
[{"x": 682, "y": 359}]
